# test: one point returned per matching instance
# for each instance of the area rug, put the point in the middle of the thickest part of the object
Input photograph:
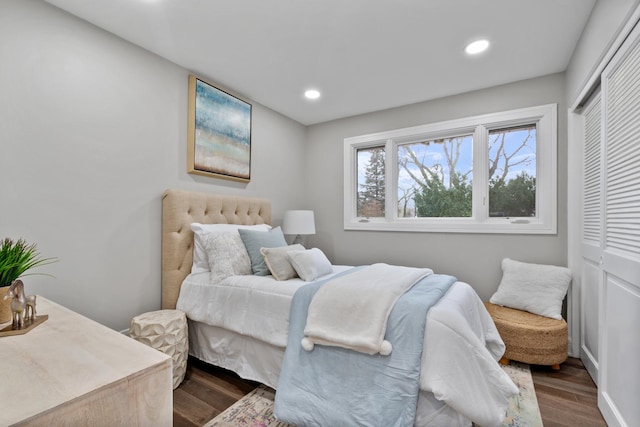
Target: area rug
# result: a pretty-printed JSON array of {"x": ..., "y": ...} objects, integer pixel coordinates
[
  {"x": 523, "y": 409},
  {"x": 256, "y": 408}
]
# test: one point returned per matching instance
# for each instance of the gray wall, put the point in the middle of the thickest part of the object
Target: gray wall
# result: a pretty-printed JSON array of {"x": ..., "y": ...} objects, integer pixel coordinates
[
  {"x": 474, "y": 258},
  {"x": 605, "y": 22},
  {"x": 92, "y": 131}
]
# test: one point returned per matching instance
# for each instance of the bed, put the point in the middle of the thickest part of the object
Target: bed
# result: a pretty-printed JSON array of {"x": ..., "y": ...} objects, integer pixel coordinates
[{"x": 247, "y": 333}]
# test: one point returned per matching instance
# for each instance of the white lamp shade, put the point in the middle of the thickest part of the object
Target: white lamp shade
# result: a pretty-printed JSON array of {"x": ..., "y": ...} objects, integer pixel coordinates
[{"x": 299, "y": 222}]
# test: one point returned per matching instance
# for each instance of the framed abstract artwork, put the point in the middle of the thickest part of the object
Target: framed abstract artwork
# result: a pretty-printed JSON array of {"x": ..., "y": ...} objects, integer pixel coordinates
[{"x": 219, "y": 133}]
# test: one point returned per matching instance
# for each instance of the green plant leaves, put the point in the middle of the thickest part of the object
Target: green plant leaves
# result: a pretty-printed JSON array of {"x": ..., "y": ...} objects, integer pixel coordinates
[{"x": 18, "y": 257}]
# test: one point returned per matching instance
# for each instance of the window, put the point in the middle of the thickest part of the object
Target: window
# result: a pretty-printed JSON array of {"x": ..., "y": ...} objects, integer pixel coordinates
[
  {"x": 371, "y": 189},
  {"x": 494, "y": 173},
  {"x": 512, "y": 172},
  {"x": 435, "y": 178}
]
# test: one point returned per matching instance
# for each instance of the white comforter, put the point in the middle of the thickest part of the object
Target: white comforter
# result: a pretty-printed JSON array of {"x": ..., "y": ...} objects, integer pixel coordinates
[
  {"x": 459, "y": 367},
  {"x": 462, "y": 364},
  {"x": 257, "y": 306}
]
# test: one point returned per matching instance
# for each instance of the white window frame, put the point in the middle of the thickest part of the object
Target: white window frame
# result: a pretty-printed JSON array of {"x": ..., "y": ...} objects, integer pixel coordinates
[{"x": 545, "y": 222}]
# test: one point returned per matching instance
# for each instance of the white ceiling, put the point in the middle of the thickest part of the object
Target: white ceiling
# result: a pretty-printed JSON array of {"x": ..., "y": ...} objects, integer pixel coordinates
[{"x": 363, "y": 55}]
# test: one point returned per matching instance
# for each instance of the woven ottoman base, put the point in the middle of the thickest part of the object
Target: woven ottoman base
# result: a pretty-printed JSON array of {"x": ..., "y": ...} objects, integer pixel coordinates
[
  {"x": 530, "y": 338},
  {"x": 166, "y": 331}
]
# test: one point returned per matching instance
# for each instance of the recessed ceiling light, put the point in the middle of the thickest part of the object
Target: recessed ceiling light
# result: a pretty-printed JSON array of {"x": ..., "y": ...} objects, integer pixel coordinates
[
  {"x": 312, "y": 94},
  {"x": 477, "y": 47}
]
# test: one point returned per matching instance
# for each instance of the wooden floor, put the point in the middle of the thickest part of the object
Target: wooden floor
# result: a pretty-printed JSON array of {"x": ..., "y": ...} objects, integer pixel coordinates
[
  {"x": 566, "y": 397},
  {"x": 205, "y": 392}
]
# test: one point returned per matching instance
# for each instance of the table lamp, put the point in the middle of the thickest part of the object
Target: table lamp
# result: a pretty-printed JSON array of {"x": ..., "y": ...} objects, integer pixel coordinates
[{"x": 300, "y": 223}]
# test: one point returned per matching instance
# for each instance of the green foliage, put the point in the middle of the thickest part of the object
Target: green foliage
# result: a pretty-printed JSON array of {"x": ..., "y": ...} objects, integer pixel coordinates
[
  {"x": 435, "y": 199},
  {"x": 515, "y": 198},
  {"x": 16, "y": 258}
]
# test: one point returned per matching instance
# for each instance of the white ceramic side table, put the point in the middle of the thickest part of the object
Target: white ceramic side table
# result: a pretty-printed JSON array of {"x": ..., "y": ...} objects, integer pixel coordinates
[{"x": 166, "y": 331}]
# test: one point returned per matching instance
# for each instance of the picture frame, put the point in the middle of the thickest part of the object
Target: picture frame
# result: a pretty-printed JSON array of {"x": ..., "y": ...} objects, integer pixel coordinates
[{"x": 218, "y": 133}]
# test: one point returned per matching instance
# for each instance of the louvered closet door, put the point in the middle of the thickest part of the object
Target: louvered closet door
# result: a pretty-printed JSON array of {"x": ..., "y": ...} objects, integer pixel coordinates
[
  {"x": 592, "y": 241},
  {"x": 619, "y": 382}
]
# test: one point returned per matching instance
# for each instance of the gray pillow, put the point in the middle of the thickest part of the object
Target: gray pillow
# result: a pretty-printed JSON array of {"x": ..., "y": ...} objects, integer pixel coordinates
[
  {"x": 278, "y": 261},
  {"x": 254, "y": 240}
]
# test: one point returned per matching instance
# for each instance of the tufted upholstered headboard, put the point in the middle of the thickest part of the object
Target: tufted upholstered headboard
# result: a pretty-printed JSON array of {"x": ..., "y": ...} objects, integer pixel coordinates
[{"x": 181, "y": 208}]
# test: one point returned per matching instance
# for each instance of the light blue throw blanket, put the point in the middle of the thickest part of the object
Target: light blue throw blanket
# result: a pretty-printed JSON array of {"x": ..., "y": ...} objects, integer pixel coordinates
[{"x": 333, "y": 386}]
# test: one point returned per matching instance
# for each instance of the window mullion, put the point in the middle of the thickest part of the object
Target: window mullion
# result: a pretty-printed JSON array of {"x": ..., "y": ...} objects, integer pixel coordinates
[
  {"x": 350, "y": 185},
  {"x": 480, "y": 173},
  {"x": 391, "y": 180}
]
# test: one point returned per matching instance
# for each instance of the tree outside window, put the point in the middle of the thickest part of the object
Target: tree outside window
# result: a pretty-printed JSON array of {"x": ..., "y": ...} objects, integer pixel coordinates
[
  {"x": 512, "y": 172},
  {"x": 438, "y": 175},
  {"x": 371, "y": 182},
  {"x": 435, "y": 178}
]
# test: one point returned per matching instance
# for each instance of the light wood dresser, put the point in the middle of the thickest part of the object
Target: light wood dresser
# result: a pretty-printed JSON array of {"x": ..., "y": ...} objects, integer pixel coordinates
[{"x": 72, "y": 371}]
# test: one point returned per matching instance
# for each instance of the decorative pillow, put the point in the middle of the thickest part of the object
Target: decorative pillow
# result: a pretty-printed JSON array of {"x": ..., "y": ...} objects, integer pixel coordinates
[
  {"x": 310, "y": 264},
  {"x": 278, "y": 261},
  {"x": 535, "y": 288},
  {"x": 254, "y": 240},
  {"x": 227, "y": 255},
  {"x": 200, "y": 261}
]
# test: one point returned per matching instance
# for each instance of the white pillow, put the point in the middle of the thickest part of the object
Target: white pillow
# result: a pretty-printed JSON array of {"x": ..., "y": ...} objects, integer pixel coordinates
[
  {"x": 200, "y": 260},
  {"x": 278, "y": 261},
  {"x": 535, "y": 288},
  {"x": 227, "y": 255},
  {"x": 310, "y": 264}
]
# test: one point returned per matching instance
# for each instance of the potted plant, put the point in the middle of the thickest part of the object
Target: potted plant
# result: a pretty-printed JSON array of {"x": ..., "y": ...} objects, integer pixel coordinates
[{"x": 16, "y": 258}]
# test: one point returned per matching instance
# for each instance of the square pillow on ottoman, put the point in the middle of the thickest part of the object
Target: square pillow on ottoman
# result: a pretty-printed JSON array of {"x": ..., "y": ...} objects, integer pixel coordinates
[{"x": 536, "y": 288}]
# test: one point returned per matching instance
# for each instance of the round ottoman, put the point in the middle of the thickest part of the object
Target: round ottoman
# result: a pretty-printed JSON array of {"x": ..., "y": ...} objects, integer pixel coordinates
[
  {"x": 166, "y": 331},
  {"x": 530, "y": 338}
]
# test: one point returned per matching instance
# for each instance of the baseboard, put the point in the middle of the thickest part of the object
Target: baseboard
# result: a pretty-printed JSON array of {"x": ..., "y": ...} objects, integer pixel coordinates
[
  {"x": 609, "y": 411},
  {"x": 590, "y": 364},
  {"x": 125, "y": 332}
]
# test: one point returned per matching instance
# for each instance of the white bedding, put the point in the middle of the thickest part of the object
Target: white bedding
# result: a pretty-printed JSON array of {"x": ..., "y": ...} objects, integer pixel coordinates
[
  {"x": 462, "y": 363},
  {"x": 257, "y": 306},
  {"x": 462, "y": 369}
]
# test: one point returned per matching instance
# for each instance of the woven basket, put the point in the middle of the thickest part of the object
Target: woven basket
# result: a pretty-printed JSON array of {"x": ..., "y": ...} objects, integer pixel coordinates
[{"x": 530, "y": 338}]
